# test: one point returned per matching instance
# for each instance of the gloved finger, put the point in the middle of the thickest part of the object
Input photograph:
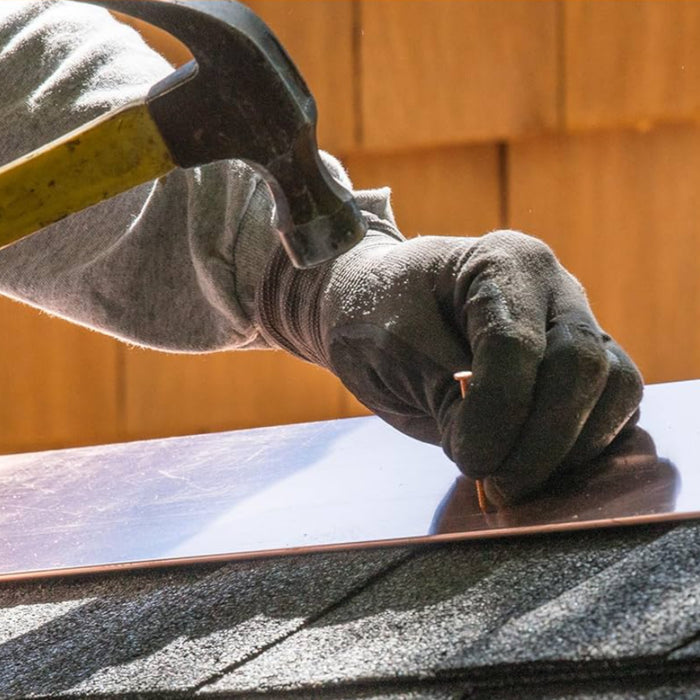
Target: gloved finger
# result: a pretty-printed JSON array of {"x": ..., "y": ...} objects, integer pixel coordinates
[
  {"x": 616, "y": 405},
  {"x": 571, "y": 378},
  {"x": 504, "y": 320},
  {"x": 405, "y": 384},
  {"x": 485, "y": 425}
]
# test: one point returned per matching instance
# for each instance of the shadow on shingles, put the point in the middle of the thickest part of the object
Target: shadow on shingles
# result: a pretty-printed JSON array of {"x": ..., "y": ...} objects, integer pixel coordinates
[
  {"x": 133, "y": 616},
  {"x": 511, "y": 577}
]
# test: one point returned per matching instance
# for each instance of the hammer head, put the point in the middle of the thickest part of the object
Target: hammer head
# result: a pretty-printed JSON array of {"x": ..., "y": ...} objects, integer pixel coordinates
[{"x": 242, "y": 97}]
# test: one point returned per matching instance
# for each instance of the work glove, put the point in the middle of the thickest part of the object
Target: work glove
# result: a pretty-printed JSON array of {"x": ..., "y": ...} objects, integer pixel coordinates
[{"x": 395, "y": 319}]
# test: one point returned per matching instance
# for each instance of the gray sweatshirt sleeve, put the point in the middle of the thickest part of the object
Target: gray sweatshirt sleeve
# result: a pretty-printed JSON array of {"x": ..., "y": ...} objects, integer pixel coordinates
[{"x": 171, "y": 264}]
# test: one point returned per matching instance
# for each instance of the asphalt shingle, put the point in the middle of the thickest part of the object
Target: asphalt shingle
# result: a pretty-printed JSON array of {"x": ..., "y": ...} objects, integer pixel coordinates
[
  {"x": 546, "y": 607},
  {"x": 165, "y": 631}
]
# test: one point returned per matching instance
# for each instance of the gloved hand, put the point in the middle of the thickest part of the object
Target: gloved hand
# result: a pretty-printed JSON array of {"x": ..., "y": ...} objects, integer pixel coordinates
[{"x": 395, "y": 319}]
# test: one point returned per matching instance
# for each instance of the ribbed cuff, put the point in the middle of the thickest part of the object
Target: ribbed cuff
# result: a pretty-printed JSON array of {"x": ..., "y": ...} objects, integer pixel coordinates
[{"x": 288, "y": 308}]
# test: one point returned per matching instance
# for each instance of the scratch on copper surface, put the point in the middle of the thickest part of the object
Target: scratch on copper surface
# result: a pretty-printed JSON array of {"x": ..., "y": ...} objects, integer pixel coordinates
[
  {"x": 257, "y": 452},
  {"x": 38, "y": 509},
  {"x": 189, "y": 482}
]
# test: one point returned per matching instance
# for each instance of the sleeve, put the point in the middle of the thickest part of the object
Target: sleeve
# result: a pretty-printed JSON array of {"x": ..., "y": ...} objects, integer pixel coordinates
[
  {"x": 155, "y": 265},
  {"x": 171, "y": 264}
]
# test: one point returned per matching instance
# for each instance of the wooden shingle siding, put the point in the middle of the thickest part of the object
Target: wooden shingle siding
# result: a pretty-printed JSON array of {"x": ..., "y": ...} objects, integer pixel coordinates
[
  {"x": 444, "y": 191},
  {"x": 60, "y": 384},
  {"x": 171, "y": 394},
  {"x": 576, "y": 121},
  {"x": 630, "y": 62},
  {"x": 438, "y": 73}
]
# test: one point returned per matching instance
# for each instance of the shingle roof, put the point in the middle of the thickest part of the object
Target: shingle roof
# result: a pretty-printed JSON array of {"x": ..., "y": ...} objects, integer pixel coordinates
[{"x": 605, "y": 614}]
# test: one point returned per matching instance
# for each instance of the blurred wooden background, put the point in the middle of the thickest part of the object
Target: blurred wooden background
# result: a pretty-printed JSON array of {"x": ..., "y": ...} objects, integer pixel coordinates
[{"x": 575, "y": 121}]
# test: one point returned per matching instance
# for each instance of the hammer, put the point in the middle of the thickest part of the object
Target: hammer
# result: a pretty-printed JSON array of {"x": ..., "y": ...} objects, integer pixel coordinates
[{"x": 240, "y": 97}]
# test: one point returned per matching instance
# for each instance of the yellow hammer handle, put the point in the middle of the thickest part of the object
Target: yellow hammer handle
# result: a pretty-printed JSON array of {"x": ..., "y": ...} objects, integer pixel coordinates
[{"x": 107, "y": 156}]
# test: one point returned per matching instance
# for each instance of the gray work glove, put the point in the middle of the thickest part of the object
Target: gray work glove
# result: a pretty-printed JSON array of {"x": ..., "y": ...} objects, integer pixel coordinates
[{"x": 395, "y": 319}]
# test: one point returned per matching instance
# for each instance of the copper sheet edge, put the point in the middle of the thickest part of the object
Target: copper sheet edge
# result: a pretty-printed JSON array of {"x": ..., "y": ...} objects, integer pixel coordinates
[{"x": 346, "y": 546}]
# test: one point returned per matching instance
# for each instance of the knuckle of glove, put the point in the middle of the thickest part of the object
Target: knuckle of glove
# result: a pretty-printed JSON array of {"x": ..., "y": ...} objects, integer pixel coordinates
[
  {"x": 579, "y": 357},
  {"x": 627, "y": 376},
  {"x": 626, "y": 388},
  {"x": 520, "y": 246}
]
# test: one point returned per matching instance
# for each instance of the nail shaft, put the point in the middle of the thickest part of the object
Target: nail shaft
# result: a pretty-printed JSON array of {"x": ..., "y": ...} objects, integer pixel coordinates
[
  {"x": 481, "y": 496},
  {"x": 464, "y": 377}
]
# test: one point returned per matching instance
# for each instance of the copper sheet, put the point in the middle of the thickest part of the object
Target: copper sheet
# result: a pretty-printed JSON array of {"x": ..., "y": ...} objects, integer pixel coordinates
[{"x": 315, "y": 486}]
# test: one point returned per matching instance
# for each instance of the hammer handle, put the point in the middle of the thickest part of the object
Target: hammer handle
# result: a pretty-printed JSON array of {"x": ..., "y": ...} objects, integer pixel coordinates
[{"x": 99, "y": 160}]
